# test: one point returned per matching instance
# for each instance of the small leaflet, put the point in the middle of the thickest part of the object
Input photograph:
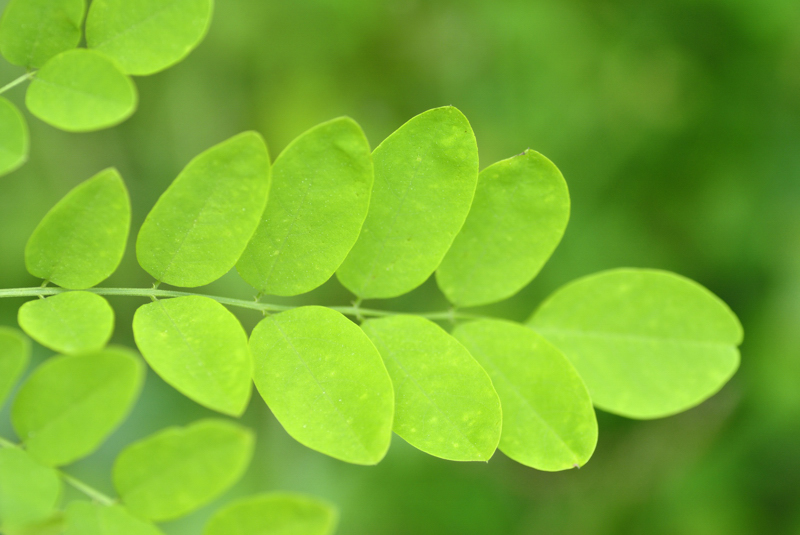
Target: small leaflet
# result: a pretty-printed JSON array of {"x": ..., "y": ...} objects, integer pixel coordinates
[
  {"x": 14, "y": 137},
  {"x": 15, "y": 353},
  {"x": 29, "y": 492},
  {"x": 280, "y": 513},
  {"x": 33, "y": 31}
]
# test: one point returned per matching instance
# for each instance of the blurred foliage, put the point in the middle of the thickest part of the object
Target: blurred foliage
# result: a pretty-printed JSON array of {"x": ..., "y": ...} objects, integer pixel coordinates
[{"x": 677, "y": 126}]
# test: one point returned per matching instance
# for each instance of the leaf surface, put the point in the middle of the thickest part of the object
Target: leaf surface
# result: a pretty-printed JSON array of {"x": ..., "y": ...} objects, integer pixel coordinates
[
  {"x": 647, "y": 343},
  {"x": 33, "y": 31},
  {"x": 445, "y": 402},
  {"x": 14, "y": 138},
  {"x": 15, "y": 353},
  {"x": 29, "y": 492},
  {"x": 325, "y": 383},
  {"x": 274, "y": 514},
  {"x": 85, "y": 518}
]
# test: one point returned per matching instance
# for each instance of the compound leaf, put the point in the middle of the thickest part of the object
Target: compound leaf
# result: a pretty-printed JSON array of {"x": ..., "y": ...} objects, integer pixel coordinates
[
  {"x": 175, "y": 471},
  {"x": 81, "y": 240},
  {"x": 70, "y": 323},
  {"x": 519, "y": 215},
  {"x": 200, "y": 226},
  {"x": 85, "y": 518},
  {"x": 15, "y": 353},
  {"x": 29, "y": 492},
  {"x": 548, "y": 420},
  {"x": 14, "y": 138},
  {"x": 325, "y": 383},
  {"x": 445, "y": 402},
  {"x": 80, "y": 91},
  {"x": 199, "y": 347},
  {"x": 69, "y": 405},
  {"x": 647, "y": 343},
  {"x": 319, "y": 198},
  {"x": 147, "y": 36},
  {"x": 33, "y": 31},
  {"x": 425, "y": 177},
  {"x": 274, "y": 514}
]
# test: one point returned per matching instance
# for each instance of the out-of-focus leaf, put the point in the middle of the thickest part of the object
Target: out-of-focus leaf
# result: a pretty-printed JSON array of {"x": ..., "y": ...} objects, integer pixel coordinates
[
  {"x": 29, "y": 492},
  {"x": 33, "y": 31},
  {"x": 274, "y": 514},
  {"x": 15, "y": 353},
  {"x": 85, "y": 518},
  {"x": 14, "y": 138}
]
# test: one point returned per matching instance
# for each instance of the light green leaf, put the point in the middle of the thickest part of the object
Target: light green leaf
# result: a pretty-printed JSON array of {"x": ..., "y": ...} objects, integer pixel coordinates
[
  {"x": 320, "y": 194},
  {"x": 81, "y": 91},
  {"x": 274, "y": 514},
  {"x": 325, "y": 383},
  {"x": 71, "y": 322},
  {"x": 647, "y": 343},
  {"x": 200, "y": 226},
  {"x": 445, "y": 402},
  {"x": 548, "y": 420},
  {"x": 175, "y": 471},
  {"x": 33, "y": 31},
  {"x": 147, "y": 36},
  {"x": 81, "y": 240},
  {"x": 85, "y": 518},
  {"x": 29, "y": 492},
  {"x": 196, "y": 345},
  {"x": 425, "y": 177},
  {"x": 15, "y": 353},
  {"x": 69, "y": 405},
  {"x": 14, "y": 139},
  {"x": 519, "y": 215}
]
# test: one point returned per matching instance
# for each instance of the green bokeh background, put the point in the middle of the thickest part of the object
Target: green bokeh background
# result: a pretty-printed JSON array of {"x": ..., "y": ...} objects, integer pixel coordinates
[{"x": 677, "y": 126}]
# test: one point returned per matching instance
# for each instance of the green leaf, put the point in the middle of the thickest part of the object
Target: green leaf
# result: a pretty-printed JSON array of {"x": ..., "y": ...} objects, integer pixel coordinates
[
  {"x": 81, "y": 91},
  {"x": 147, "y": 36},
  {"x": 200, "y": 226},
  {"x": 548, "y": 420},
  {"x": 15, "y": 353},
  {"x": 519, "y": 215},
  {"x": 325, "y": 383},
  {"x": 29, "y": 492},
  {"x": 81, "y": 240},
  {"x": 14, "y": 139},
  {"x": 320, "y": 194},
  {"x": 425, "y": 178},
  {"x": 33, "y": 31},
  {"x": 85, "y": 518},
  {"x": 70, "y": 405},
  {"x": 71, "y": 322},
  {"x": 175, "y": 471},
  {"x": 647, "y": 343},
  {"x": 196, "y": 345},
  {"x": 274, "y": 514},
  {"x": 445, "y": 402}
]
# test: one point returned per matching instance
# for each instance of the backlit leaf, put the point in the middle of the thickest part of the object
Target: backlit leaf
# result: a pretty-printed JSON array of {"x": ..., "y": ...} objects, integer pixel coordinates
[
  {"x": 325, "y": 383},
  {"x": 33, "y": 31},
  {"x": 200, "y": 226},
  {"x": 274, "y": 514},
  {"x": 85, "y": 518},
  {"x": 175, "y": 471},
  {"x": 69, "y": 405},
  {"x": 14, "y": 139},
  {"x": 548, "y": 419},
  {"x": 81, "y": 240},
  {"x": 320, "y": 193},
  {"x": 445, "y": 402},
  {"x": 199, "y": 347},
  {"x": 29, "y": 492},
  {"x": 647, "y": 343},
  {"x": 15, "y": 352},
  {"x": 425, "y": 177}
]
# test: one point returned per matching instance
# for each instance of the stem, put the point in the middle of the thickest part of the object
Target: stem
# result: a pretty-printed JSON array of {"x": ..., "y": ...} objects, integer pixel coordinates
[{"x": 21, "y": 79}]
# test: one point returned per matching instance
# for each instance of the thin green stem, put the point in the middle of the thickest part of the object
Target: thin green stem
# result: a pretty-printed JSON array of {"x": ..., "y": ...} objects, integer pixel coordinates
[{"x": 25, "y": 77}]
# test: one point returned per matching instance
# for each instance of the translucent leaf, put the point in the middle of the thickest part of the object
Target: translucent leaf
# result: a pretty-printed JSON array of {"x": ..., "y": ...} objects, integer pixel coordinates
[
  {"x": 647, "y": 343},
  {"x": 81, "y": 91},
  {"x": 175, "y": 471},
  {"x": 147, "y": 36},
  {"x": 85, "y": 518},
  {"x": 33, "y": 31},
  {"x": 81, "y": 240},
  {"x": 29, "y": 492},
  {"x": 320, "y": 194},
  {"x": 70, "y": 405},
  {"x": 196, "y": 345},
  {"x": 71, "y": 322},
  {"x": 425, "y": 177},
  {"x": 200, "y": 226},
  {"x": 14, "y": 139},
  {"x": 325, "y": 383},
  {"x": 519, "y": 215},
  {"x": 15, "y": 353},
  {"x": 445, "y": 403},
  {"x": 548, "y": 419},
  {"x": 274, "y": 514}
]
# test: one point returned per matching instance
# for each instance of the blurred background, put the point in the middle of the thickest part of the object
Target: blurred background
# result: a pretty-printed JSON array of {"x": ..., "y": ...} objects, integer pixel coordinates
[{"x": 677, "y": 126}]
